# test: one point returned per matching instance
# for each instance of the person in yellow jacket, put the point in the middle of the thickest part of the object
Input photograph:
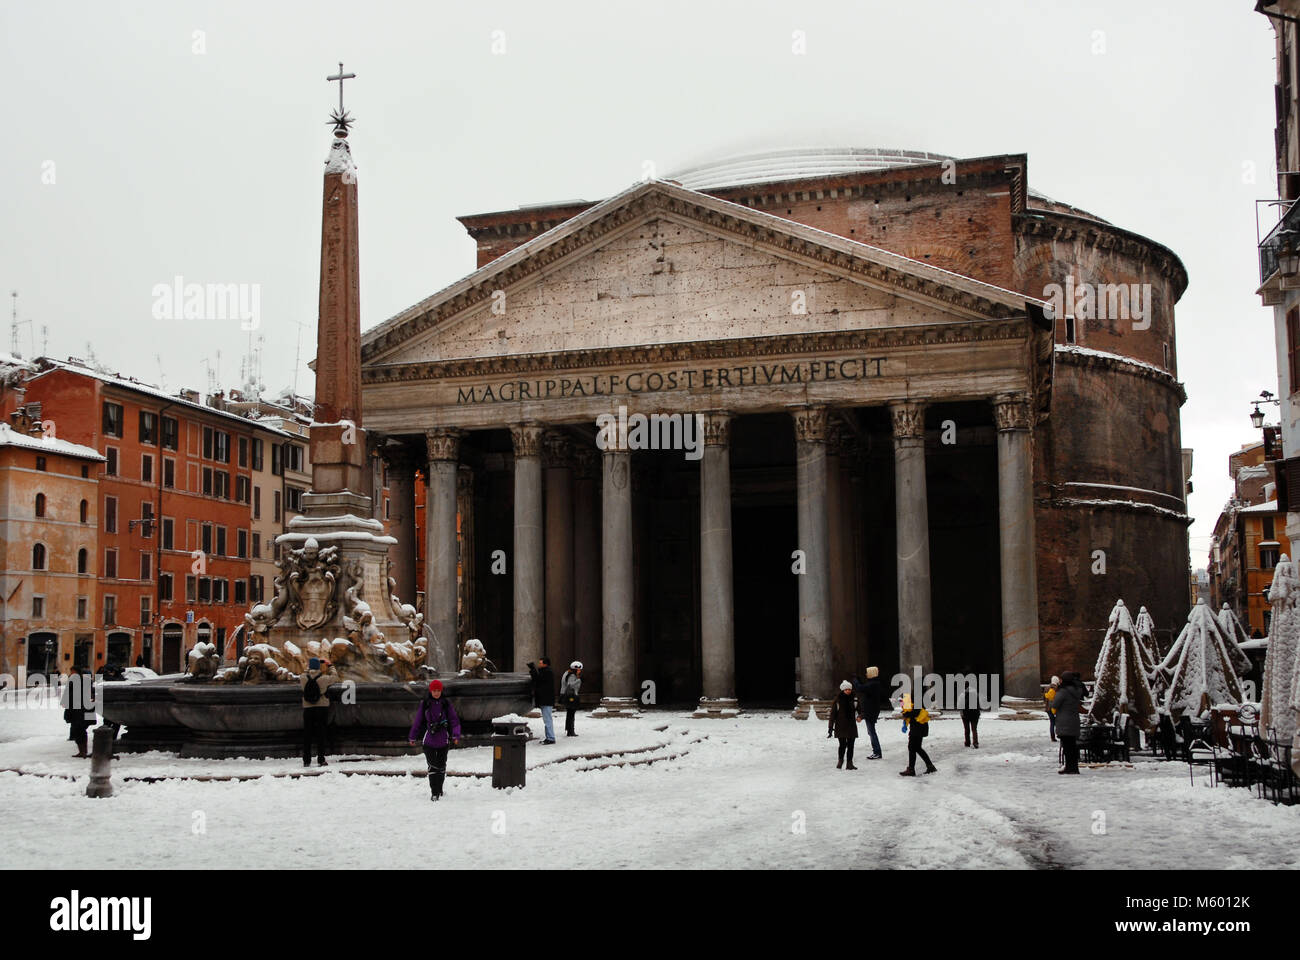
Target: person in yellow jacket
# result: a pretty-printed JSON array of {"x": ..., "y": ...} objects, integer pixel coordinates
[
  {"x": 1048, "y": 697},
  {"x": 917, "y": 723}
]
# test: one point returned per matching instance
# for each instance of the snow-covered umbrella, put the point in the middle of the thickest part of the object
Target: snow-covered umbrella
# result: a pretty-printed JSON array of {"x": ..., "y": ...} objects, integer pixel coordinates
[
  {"x": 1199, "y": 669},
  {"x": 1281, "y": 695},
  {"x": 1234, "y": 631},
  {"x": 1144, "y": 628},
  {"x": 1122, "y": 685}
]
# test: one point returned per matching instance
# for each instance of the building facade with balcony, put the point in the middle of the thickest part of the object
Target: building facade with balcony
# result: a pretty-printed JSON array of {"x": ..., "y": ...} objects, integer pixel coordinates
[{"x": 1279, "y": 253}]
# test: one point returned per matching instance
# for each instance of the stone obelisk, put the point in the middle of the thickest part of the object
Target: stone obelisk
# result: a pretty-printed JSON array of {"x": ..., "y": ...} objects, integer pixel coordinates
[{"x": 337, "y": 510}]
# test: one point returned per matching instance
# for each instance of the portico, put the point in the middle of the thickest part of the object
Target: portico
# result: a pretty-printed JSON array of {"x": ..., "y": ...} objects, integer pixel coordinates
[{"x": 830, "y": 359}]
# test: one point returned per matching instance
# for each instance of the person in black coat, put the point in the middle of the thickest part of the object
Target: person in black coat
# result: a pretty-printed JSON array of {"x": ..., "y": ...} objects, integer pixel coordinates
[
  {"x": 1066, "y": 702},
  {"x": 544, "y": 695},
  {"x": 970, "y": 714},
  {"x": 872, "y": 698},
  {"x": 843, "y": 725}
]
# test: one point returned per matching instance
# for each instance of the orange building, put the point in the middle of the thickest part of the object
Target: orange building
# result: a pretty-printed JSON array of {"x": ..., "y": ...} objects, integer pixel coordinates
[
  {"x": 175, "y": 491},
  {"x": 1249, "y": 536},
  {"x": 48, "y": 544}
]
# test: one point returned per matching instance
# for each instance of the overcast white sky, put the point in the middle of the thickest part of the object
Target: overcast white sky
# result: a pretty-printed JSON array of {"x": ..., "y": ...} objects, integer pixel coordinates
[{"x": 167, "y": 161}]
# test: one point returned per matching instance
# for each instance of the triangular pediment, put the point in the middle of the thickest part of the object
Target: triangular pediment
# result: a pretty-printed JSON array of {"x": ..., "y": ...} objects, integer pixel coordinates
[{"x": 660, "y": 264}]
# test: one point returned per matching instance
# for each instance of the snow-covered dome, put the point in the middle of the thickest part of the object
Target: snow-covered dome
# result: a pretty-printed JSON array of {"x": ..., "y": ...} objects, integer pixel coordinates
[
  {"x": 800, "y": 163},
  {"x": 797, "y": 164}
]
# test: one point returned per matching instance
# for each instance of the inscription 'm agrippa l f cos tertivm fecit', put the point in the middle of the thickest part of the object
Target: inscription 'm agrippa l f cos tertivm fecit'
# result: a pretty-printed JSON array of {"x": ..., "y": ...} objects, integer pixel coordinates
[{"x": 706, "y": 378}]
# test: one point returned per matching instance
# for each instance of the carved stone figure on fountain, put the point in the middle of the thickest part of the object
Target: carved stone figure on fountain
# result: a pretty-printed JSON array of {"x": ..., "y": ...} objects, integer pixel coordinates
[
  {"x": 203, "y": 662},
  {"x": 406, "y": 612},
  {"x": 474, "y": 661}
]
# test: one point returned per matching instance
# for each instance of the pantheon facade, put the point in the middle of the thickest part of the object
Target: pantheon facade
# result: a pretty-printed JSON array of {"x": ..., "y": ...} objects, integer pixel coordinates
[{"x": 909, "y": 458}]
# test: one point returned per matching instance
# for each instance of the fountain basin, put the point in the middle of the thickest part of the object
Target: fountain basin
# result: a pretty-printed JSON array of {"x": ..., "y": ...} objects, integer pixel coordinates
[{"x": 220, "y": 720}]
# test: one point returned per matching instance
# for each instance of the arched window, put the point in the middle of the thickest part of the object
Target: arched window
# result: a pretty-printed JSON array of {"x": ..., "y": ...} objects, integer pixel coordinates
[
  {"x": 82, "y": 560},
  {"x": 40, "y": 504},
  {"x": 85, "y": 511},
  {"x": 38, "y": 556}
]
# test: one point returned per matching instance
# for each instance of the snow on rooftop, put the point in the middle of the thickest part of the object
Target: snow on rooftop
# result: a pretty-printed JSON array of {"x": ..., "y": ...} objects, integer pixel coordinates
[
  {"x": 1270, "y": 506},
  {"x": 9, "y": 437}
]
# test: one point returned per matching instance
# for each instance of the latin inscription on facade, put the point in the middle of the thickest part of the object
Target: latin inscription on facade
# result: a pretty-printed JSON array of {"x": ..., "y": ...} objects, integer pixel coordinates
[{"x": 705, "y": 378}]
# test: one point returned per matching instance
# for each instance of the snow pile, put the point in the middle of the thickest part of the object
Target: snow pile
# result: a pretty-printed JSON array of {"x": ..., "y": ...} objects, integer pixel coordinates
[
  {"x": 1121, "y": 672},
  {"x": 1198, "y": 670},
  {"x": 1281, "y": 697},
  {"x": 340, "y": 159}
]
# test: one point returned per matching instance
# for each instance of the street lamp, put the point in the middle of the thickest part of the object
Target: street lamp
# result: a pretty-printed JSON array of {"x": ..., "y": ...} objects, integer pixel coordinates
[{"x": 1257, "y": 415}]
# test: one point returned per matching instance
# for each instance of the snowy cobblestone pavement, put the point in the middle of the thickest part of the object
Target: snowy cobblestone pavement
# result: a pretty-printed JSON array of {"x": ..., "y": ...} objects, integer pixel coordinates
[{"x": 760, "y": 790}]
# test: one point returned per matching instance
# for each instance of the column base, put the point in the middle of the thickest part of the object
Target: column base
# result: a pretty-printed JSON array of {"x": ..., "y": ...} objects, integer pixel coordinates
[
  {"x": 721, "y": 708},
  {"x": 805, "y": 705},
  {"x": 612, "y": 707}
]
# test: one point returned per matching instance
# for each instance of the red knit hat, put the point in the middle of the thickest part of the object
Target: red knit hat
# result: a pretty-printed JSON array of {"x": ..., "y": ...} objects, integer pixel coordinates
[{"x": 435, "y": 685}]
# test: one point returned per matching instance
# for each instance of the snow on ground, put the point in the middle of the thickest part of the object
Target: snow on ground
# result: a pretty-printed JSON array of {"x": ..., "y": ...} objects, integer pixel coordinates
[{"x": 759, "y": 790}]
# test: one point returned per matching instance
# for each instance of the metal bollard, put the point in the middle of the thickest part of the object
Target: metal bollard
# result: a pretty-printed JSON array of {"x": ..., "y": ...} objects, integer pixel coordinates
[
  {"x": 101, "y": 762},
  {"x": 509, "y": 742}
]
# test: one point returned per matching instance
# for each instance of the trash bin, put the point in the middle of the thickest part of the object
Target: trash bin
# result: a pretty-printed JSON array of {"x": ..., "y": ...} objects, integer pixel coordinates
[{"x": 509, "y": 741}]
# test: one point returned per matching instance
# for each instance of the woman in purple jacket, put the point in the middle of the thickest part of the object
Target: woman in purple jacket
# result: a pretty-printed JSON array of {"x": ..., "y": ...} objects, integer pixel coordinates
[{"x": 437, "y": 727}]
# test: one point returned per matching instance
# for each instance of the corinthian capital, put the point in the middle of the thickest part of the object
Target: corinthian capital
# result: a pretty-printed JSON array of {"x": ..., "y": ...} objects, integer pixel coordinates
[
  {"x": 1011, "y": 411},
  {"x": 443, "y": 443},
  {"x": 810, "y": 424},
  {"x": 909, "y": 420},
  {"x": 557, "y": 449},
  {"x": 717, "y": 428},
  {"x": 527, "y": 439}
]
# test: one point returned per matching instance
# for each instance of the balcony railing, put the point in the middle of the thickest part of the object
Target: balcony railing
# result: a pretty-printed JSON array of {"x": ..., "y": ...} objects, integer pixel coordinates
[{"x": 1281, "y": 240}]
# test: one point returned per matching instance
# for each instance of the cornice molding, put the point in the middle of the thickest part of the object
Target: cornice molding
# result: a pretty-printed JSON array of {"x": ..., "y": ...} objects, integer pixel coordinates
[
  {"x": 685, "y": 351},
  {"x": 1114, "y": 362},
  {"x": 1057, "y": 226}
]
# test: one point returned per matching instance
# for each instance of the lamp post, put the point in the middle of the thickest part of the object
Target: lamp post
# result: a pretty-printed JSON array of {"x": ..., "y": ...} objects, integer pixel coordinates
[{"x": 1257, "y": 415}]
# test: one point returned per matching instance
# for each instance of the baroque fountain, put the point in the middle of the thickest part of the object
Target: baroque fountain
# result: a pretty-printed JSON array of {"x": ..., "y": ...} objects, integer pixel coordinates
[{"x": 334, "y": 597}]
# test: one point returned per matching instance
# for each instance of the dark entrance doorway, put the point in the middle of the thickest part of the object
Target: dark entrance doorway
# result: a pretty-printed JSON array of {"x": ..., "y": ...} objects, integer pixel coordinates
[
  {"x": 764, "y": 534},
  {"x": 119, "y": 650},
  {"x": 42, "y": 655},
  {"x": 171, "y": 650}
]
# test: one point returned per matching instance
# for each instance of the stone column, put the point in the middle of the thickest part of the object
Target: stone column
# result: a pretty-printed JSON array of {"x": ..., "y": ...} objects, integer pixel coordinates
[
  {"x": 1021, "y": 668},
  {"x": 717, "y": 614},
  {"x": 401, "y": 521},
  {"x": 558, "y": 468},
  {"x": 816, "y": 685},
  {"x": 839, "y": 545},
  {"x": 465, "y": 592},
  {"x": 586, "y": 569},
  {"x": 528, "y": 559},
  {"x": 915, "y": 640},
  {"x": 617, "y": 639},
  {"x": 442, "y": 552}
]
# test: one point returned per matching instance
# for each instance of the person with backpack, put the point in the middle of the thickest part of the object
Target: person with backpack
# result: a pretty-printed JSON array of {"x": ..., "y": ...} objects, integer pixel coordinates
[
  {"x": 570, "y": 684},
  {"x": 316, "y": 709},
  {"x": 843, "y": 724},
  {"x": 872, "y": 698},
  {"x": 1067, "y": 702},
  {"x": 544, "y": 695},
  {"x": 916, "y": 721},
  {"x": 78, "y": 702},
  {"x": 437, "y": 728}
]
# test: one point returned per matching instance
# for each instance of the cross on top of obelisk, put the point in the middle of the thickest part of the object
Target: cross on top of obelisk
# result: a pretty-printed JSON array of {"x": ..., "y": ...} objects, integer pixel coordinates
[{"x": 340, "y": 117}]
